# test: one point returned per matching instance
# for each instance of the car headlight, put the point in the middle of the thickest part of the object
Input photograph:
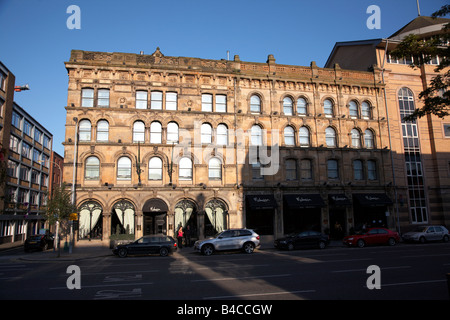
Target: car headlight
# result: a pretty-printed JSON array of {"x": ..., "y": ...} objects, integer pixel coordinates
[{"x": 350, "y": 238}]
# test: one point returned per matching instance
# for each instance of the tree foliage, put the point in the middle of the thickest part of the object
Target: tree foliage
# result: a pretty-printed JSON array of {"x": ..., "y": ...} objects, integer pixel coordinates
[
  {"x": 436, "y": 97},
  {"x": 59, "y": 204}
]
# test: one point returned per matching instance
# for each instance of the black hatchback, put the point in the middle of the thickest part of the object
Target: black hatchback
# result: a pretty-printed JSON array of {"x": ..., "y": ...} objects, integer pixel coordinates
[
  {"x": 155, "y": 244},
  {"x": 39, "y": 242},
  {"x": 304, "y": 239}
]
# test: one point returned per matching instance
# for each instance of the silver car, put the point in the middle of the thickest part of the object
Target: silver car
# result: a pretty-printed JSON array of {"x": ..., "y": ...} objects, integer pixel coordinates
[
  {"x": 232, "y": 239},
  {"x": 423, "y": 234}
]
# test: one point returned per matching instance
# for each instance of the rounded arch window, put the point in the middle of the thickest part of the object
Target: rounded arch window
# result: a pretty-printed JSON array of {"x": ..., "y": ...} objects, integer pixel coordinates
[
  {"x": 287, "y": 106},
  {"x": 255, "y": 104},
  {"x": 330, "y": 137},
  {"x": 289, "y": 136}
]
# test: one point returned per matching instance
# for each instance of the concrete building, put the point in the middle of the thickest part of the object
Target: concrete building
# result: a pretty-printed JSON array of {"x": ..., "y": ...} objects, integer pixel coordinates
[
  {"x": 420, "y": 149},
  {"x": 156, "y": 142}
]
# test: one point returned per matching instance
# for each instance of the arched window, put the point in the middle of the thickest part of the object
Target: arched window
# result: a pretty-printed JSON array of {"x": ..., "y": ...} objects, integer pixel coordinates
[
  {"x": 138, "y": 131},
  {"x": 330, "y": 137},
  {"x": 301, "y": 106},
  {"x": 92, "y": 168},
  {"x": 206, "y": 133},
  {"x": 328, "y": 107},
  {"x": 256, "y": 135},
  {"x": 289, "y": 136},
  {"x": 368, "y": 139},
  {"x": 185, "y": 169},
  {"x": 353, "y": 109},
  {"x": 255, "y": 104},
  {"x": 124, "y": 168},
  {"x": 215, "y": 169},
  {"x": 122, "y": 218},
  {"x": 85, "y": 130},
  {"x": 155, "y": 132},
  {"x": 287, "y": 106},
  {"x": 222, "y": 135},
  {"x": 356, "y": 138},
  {"x": 172, "y": 132},
  {"x": 102, "y": 130},
  {"x": 303, "y": 137},
  {"x": 155, "y": 169},
  {"x": 365, "y": 110}
]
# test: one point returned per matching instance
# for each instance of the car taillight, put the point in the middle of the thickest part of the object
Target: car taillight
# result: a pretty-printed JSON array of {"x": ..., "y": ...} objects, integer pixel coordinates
[
  {"x": 257, "y": 238},
  {"x": 175, "y": 244}
]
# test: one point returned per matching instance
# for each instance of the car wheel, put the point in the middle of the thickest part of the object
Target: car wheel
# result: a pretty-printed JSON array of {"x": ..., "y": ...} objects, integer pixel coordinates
[
  {"x": 361, "y": 243},
  {"x": 122, "y": 253},
  {"x": 207, "y": 250},
  {"x": 445, "y": 239},
  {"x": 392, "y": 242},
  {"x": 249, "y": 247},
  {"x": 290, "y": 247},
  {"x": 322, "y": 245},
  {"x": 163, "y": 252},
  {"x": 422, "y": 240}
]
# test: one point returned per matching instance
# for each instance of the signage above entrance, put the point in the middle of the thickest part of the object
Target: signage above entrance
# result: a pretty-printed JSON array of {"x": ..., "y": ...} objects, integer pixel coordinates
[
  {"x": 304, "y": 200},
  {"x": 155, "y": 205}
]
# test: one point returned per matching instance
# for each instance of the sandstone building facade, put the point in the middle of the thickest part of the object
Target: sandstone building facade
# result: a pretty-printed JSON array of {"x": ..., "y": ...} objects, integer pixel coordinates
[{"x": 156, "y": 142}]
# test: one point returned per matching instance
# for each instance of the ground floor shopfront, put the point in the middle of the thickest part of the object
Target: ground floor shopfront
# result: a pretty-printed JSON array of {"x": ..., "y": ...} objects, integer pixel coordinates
[{"x": 203, "y": 213}]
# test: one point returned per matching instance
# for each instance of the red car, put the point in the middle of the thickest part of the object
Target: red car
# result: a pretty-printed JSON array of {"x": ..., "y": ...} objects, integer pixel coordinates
[{"x": 372, "y": 236}]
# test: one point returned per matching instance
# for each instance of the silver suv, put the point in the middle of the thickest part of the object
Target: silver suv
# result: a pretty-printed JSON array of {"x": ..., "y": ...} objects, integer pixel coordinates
[{"x": 232, "y": 239}]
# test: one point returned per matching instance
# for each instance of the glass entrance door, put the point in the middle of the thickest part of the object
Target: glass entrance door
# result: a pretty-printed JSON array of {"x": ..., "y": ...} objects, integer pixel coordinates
[{"x": 154, "y": 223}]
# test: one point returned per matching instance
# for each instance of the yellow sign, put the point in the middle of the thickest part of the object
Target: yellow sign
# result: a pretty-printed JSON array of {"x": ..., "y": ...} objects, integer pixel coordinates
[{"x": 73, "y": 216}]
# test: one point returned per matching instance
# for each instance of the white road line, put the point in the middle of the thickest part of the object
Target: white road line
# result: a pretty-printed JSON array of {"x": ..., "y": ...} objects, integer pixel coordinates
[
  {"x": 358, "y": 270},
  {"x": 108, "y": 285},
  {"x": 260, "y": 294},
  {"x": 242, "y": 278},
  {"x": 411, "y": 283}
]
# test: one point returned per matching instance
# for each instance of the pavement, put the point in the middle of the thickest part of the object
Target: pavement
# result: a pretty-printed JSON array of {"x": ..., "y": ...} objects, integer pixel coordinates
[{"x": 90, "y": 250}]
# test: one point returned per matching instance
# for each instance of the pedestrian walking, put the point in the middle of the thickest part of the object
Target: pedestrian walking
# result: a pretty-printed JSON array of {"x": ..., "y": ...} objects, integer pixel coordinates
[
  {"x": 180, "y": 237},
  {"x": 187, "y": 235}
]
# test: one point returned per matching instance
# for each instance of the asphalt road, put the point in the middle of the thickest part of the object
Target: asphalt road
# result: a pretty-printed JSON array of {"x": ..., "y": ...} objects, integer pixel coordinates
[{"x": 406, "y": 272}]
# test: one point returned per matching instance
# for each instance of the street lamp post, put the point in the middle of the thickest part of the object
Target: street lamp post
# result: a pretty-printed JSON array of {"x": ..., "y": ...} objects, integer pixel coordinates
[{"x": 74, "y": 180}]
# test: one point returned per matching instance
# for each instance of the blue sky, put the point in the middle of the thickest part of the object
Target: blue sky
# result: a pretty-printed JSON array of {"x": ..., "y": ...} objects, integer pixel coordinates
[{"x": 35, "y": 40}]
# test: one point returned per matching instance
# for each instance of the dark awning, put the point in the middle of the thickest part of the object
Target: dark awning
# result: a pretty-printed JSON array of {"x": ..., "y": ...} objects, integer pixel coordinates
[
  {"x": 304, "y": 201},
  {"x": 265, "y": 201},
  {"x": 155, "y": 205},
  {"x": 372, "y": 199},
  {"x": 339, "y": 200}
]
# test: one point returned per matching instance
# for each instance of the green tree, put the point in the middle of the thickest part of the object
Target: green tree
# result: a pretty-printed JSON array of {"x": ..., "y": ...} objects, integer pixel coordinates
[
  {"x": 436, "y": 97},
  {"x": 59, "y": 207}
]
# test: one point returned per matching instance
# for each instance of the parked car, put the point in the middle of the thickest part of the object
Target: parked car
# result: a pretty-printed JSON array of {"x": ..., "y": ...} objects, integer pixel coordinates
[
  {"x": 154, "y": 244},
  {"x": 423, "y": 234},
  {"x": 232, "y": 239},
  {"x": 39, "y": 242},
  {"x": 304, "y": 239},
  {"x": 373, "y": 236}
]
